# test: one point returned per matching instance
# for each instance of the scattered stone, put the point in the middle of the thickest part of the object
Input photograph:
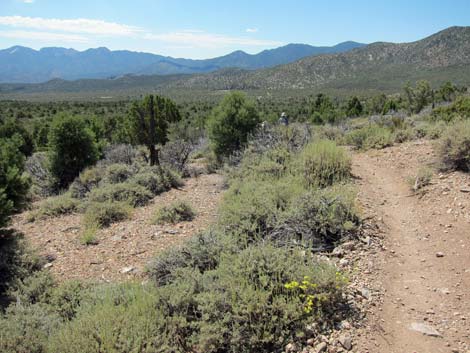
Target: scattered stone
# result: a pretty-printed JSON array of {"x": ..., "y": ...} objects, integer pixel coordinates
[
  {"x": 311, "y": 342},
  {"x": 127, "y": 269},
  {"x": 49, "y": 264},
  {"x": 171, "y": 231},
  {"x": 465, "y": 189},
  {"x": 291, "y": 348},
  {"x": 439, "y": 254},
  {"x": 425, "y": 329},
  {"x": 365, "y": 293},
  {"x": 344, "y": 262},
  {"x": 346, "y": 342},
  {"x": 321, "y": 347},
  {"x": 338, "y": 251}
]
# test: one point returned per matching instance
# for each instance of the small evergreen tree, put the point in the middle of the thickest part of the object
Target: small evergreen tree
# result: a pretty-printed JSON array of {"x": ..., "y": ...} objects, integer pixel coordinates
[
  {"x": 231, "y": 122},
  {"x": 14, "y": 185},
  {"x": 354, "y": 107},
  {"x": 72, "y": 148},
  {"x": 149, "y": 121}
]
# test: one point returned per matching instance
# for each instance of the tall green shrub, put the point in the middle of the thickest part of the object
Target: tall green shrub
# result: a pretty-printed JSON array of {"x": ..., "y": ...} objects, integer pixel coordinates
[
  {"x": 72, "y": 148},
  {"x": 231, "y": 122}
]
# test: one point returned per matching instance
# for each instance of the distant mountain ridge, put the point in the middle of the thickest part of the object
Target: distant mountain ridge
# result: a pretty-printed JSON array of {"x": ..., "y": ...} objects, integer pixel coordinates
[
  {"x": 441, "y": 56},
  {"x": 25, "y": 65}
]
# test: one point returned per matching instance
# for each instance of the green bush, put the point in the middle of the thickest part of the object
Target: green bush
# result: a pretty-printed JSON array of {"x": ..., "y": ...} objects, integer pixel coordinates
[
  {"x": 247, "y": 305},
  {"x": 156, "y": 180},
  {"x": 118, "y": 318},
  {"x": 201, "y": 252},
  {"x": 14, "y": 185},
  {"x": 54, "y": 207},
  {"x": 230, "y": 124},
  {"x": 422, "y": 179},
  {"x": 251, "y": 208},
  {"x": 454, "y": 147},
  {"x": 88, "y": 236},
  {"x": 103, "y": 214},
  {"x": 130, "y": 193},
  {"x": 403, "y": 135},
  {"x": 322, "y": 164},
  {"x": 371, "y": 136},
  {"x": 117, "y": 173},
  {"x": 319, "y": 219},
  {"x": 177, "y": 212},
  {"x": 17, "y": 261},
  {"x": 27, "y": 329},
  {"x": 457, "y": 110},
  {"x": 72, "y": 148}
]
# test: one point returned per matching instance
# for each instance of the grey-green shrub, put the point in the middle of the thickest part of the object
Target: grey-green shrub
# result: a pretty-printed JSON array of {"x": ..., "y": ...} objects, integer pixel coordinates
[
  {"x": 370, "y": 136},
  {"x": 319, "y": 219},
  {"x": 130, "y": 193},
  {"x": 118, "y": 173},
  {"x": 54, "y": 207},
  {"x": 177, "y": 212},
  {"x": 454, "y": 147},
  {"x": 103, "y": 214},
  {"x": 323, "y": 163}
]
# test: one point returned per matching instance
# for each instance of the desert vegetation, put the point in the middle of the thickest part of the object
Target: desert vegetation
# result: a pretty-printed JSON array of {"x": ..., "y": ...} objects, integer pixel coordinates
[{"x": 255, "y": 280}]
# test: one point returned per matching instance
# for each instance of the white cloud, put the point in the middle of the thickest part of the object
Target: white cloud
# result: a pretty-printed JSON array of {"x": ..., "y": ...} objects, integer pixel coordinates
[
  {"x": 208, "y": 40},
  {"x": 44, "y": 36},
  {"x": 28, "y": 1},
  {"x": 79, "y": 25},
  {"x": 252, "y": 30}
]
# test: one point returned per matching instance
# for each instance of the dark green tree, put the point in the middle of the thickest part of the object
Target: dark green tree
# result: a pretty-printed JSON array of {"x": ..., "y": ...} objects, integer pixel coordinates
[
  {"x": 447, "y": 92},
  {"x": 418, "y": 97},
  {"x": 72, "y": 148},
  {"x": 354, "y": 107},
  {"x": 231, "y": 122},
  {"x": 14, "y": 185},
  {"x": 11, "y": 127},
  {"x": 149, "y": 121}
]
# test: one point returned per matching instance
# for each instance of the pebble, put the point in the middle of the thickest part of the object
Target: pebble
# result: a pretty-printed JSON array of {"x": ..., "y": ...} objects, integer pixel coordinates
[
  {"x": 346, "y": 342},
  {"x": 321, "y": 347},
  {"x": 439, "y": 254}
]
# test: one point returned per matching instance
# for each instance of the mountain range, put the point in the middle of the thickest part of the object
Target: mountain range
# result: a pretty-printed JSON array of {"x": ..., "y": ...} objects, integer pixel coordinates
[
  {"x": 377, "y": 67},
  {"x": 25, "y": 65}
]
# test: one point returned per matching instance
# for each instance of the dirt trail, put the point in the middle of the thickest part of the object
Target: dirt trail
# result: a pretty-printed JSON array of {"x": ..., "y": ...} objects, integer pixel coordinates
[{"x": 424, "y": 270}]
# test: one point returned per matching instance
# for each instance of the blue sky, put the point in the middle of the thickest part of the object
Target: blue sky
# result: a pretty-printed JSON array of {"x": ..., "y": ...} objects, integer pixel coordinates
[{"x": 207, "y": 28}]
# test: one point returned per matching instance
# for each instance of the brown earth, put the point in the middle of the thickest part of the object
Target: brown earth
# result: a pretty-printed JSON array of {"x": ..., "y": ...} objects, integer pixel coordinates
[
  {"x": 421, "y": 274},
  {"x": 123, "y": 249}
]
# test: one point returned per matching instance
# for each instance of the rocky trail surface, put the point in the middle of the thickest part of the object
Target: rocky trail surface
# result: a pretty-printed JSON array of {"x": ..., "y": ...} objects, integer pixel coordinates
[
  {"x": 125, "y": 248},
  {"x": 418, "y": 279}
]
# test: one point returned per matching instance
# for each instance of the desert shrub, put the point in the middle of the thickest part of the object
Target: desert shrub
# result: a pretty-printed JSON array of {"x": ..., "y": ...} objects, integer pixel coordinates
[
  {"x": 249, "y": 303},
  {"x": 251, "y": 208},
  {"x": 65, "y": 299},
  {"x": 322, "y": 164},
  {"x": 130, "y": 193},
  {"x": 27, "y": 328},
  {"x": 54, "y": 207},
  {"x": 454, "y": 147},
  {"x": 37, "y": 167},
  {"x": 34, "y": 288},
  {"x": 459, "y": 109},
  {"x": 435, "y": 130},
  {"x": 88, "y": 236},
  {"x": 319, "y": 219},
  {"x": 86, "y": 181},
  {"x": 329, "y": 132},
  {"x": 156, "y": 180},
  {"x": 120, "y": 154},
  {"x": 230, "y": 124},
  {"x": 177, "y": 212},
  {"x": 17, "y": 261},
  {"x": 117, "y": 173},
  {"x": 118, "y": 318},
  {"x": 72, "y": 148},
  {"x": 371, "y": 136},
  {"x": 14, "y": 186},
  {"x": 103, "y": 214},
  {"x": 403, "y": 135},
  {"x": 201, "y": 252},
  {"x": 422, "y": 179}
]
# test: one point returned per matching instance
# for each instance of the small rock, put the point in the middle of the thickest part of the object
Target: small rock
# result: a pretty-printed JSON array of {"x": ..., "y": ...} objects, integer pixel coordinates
[
  {"x": 465, "y": 189},
  {"x": 344, "y": 325},
  {"x": 311, "y": 342},
  {"x": 338, "y": 251},
  {"x": 49, "y": 264},
  {"x": 321, "y": 347},
  {"x": 425, "y": 329},
  {"x": 439, "y": 254},
  {"x": 343, "y": 262},
  {"x": 127, "y": 269},
  {"x": 365, "y": 293},
  {"x": 291, "y": 348},
  {"x": 346, "y": 342}
]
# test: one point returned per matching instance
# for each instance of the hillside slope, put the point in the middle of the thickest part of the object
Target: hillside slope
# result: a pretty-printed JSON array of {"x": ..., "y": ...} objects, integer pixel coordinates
[{"x": 444, "y": 54}]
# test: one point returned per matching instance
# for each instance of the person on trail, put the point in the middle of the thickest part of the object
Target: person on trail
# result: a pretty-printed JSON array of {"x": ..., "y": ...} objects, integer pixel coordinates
[{"x": 284, "y": 120}]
